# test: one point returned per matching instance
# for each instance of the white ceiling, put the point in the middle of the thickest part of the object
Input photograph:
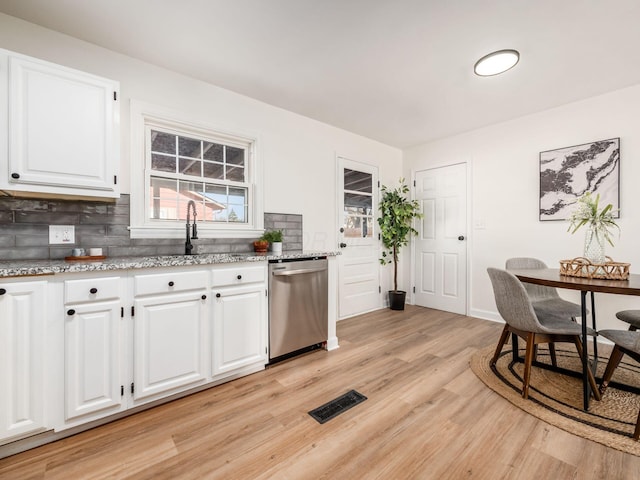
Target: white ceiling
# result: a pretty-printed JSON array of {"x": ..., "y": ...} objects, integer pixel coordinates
[{"x": 398, "y": 71}]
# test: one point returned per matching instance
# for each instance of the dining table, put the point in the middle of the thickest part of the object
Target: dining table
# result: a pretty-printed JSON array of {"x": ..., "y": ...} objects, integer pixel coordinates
[{"x": 551, "y": 277}]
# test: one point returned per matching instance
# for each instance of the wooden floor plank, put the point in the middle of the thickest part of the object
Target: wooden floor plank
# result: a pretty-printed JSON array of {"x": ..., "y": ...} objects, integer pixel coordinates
[{"x": 427, "y": 416}]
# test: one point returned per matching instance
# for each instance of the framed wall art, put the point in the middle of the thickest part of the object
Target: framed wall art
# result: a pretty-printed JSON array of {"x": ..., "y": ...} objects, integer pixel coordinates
[{"x": 568, "y": 173}]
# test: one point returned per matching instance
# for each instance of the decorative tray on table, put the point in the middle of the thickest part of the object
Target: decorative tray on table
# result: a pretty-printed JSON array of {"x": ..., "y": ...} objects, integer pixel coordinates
[{"x": 582, "y": 267}]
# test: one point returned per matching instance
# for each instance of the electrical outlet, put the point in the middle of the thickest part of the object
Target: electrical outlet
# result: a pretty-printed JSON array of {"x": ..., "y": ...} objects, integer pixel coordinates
[{"x": 62, "y": 234}]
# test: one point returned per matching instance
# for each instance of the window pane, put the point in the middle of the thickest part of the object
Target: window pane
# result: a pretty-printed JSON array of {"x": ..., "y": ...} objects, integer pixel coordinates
[
  {"x": 164, "y": 198},
  {"x": 189, "y": 166},
  {"x": 163, "y": 142},
  {"x": 226, "y": 204},
  {"x": 358, "y": 227},
  {"x": 162, "y": 163},
  {"x": 213, "y": 170},
  {"x": 213, "y": 151},
  {"x": 189, "y": 147},
  {"x": 235, "y": 156},
  {"x": 358, "y": 201},
  {"x": 357, "y": 181},
  {"x": 235, "y": 174}
]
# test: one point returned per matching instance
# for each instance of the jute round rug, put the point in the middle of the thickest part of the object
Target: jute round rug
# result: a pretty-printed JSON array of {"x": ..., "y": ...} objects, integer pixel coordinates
[{"x": 556, "y": 398}]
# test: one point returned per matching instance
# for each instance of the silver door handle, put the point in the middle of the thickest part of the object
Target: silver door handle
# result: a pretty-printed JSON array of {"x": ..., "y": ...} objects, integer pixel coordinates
[{"x": 287, "y": 273}]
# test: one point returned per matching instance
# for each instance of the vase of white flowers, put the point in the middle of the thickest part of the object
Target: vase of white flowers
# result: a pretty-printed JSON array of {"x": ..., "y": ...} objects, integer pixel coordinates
[{"x": 599, "y": 224}]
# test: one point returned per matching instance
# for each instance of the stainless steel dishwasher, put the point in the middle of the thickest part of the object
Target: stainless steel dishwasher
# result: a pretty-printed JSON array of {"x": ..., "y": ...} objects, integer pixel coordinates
[{"x": 298, "y": 306}]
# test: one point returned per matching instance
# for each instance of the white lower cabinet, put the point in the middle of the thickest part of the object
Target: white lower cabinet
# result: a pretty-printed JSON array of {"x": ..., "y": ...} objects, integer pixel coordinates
[
  {"x": 93, "y": 356},
  {"x": 23, "y": 311},
  {"x": 239, "y": 328},
  {"x": 108, "y": 343},
  {"x": 169, "y": 344}
]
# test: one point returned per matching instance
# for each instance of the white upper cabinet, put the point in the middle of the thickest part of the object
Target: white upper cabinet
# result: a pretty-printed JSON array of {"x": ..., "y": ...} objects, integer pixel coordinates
[{"x": 61, "y": 131}]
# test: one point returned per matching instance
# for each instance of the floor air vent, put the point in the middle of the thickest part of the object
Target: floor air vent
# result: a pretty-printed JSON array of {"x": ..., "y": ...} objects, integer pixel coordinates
[{"x": 335, "y": 407}]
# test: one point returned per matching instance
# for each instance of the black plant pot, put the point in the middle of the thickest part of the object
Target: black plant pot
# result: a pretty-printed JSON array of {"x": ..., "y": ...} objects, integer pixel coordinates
[{"x": 396, "y": 299}]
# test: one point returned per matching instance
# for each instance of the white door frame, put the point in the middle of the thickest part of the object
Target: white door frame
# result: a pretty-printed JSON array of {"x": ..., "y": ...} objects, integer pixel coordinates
[
  {"x": 337, "y": 224},
  {"x": 469, "y": 237}
]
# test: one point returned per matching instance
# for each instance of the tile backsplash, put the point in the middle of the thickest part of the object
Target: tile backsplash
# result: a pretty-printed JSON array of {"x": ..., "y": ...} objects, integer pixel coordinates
[{"x": 24, "y": 230}]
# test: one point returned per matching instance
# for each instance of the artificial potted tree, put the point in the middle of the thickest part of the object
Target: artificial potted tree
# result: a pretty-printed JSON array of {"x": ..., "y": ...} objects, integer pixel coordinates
[{"x": 396, "y": 219}]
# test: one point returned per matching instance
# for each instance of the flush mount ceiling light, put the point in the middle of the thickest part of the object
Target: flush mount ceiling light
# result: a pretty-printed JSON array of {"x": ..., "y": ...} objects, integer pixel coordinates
[{"x": 496, "y": 63}]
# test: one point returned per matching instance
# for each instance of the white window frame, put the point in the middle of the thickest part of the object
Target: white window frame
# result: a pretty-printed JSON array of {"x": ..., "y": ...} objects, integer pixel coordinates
[{"x": 144, "y": 115}]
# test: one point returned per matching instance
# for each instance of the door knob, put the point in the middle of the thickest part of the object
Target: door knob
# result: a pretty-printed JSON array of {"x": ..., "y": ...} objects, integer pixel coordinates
[
  {"x": 342, "y": 245},
  {"x": 461, "y": 237}
]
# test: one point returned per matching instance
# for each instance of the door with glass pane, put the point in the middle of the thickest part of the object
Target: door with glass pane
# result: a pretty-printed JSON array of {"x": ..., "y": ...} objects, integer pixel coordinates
[{"x": 359, "y": 273}]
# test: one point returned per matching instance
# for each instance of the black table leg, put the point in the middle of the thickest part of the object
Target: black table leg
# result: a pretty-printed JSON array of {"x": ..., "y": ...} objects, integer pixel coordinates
[
  {"x": 514, "y": 347},
  {"x": 595, "y": 340},
  {"x": 586, "y": 388}
]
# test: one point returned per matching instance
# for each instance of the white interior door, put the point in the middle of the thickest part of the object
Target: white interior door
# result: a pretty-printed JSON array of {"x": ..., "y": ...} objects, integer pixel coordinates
[
  {"x": 440, "y": 252},
  {"x": 358, "y": 271}
]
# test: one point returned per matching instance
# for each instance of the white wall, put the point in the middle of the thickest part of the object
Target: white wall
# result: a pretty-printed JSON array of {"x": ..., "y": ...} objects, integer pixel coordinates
[
  {"x": 505, "y": 188},
  {"x": 299, "y": 154}
]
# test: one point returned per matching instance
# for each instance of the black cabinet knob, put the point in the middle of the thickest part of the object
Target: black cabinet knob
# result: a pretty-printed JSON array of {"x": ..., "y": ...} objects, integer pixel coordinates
[
  {"x": 461, "y": 237},
  {"x": 204, "y": 297},
  {"x": 218, "y": 295},
  {"x": 171, "y": 284},
  {"x": 342, "y": 245},
  {"x": 15, "y": 175},
  {"x": 94, "y": 290},
  {"x": 239, "y": 277},
  {"x": 71, "y": 311},
  {"x": 2, "y": 291}
]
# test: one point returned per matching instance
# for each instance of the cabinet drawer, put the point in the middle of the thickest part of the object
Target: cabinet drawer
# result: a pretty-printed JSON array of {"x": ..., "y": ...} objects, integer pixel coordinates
[
  {"x": 238, "y": 275},
  {"x": 90, "y": 290},
  {"x": 169, "y": 282}
]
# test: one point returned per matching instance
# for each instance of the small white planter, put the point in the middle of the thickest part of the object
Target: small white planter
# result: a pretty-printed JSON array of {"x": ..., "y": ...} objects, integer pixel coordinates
[{"x": 276, "y": 248}]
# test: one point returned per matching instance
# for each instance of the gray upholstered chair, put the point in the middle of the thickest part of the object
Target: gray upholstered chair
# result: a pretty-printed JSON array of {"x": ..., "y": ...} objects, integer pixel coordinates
[
  {"x": 626, "y": 343},
  {"x": 516, "y": 309},
  {"x": 545, "y": 300},
  {"x": 632, "y": 317}
]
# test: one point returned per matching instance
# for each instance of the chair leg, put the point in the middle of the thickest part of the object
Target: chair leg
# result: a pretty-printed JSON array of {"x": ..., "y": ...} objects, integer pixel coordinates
[
  {"x": 503, "y": 339},
  {"x": 592, "y": 381},
  {"x": 636, "y": 433},
  {"x": 552, "y": 354},
  {"x": 528, "y": 360},
  {"x": 614, "y": 361}
]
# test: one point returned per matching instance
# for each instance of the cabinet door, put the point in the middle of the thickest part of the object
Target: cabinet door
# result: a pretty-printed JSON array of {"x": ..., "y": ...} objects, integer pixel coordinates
[
  {"x": 93, "y": 353},
  {"x": 22, "y": 324},
  {"x": 239, "y": 328},
  {"x": 63, "y": 130},
  {"x": 169, "y": 344}
]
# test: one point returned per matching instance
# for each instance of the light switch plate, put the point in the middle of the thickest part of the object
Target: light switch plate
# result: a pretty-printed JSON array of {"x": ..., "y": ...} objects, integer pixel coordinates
[{"x": 62, "y": 234}]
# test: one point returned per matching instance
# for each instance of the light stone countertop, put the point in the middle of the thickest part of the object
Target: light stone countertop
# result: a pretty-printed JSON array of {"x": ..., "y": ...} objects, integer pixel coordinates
[{"x": 22, "y": 268}]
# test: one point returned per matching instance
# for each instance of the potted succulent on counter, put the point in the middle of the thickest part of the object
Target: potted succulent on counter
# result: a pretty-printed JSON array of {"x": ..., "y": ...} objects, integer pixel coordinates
[
  {"x": 397, "y": 214},
  {"x": 274, "y": 237}
]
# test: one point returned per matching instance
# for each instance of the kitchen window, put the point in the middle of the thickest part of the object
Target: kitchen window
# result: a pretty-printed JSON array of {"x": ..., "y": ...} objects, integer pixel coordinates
[{"x": 186, "y": 162}]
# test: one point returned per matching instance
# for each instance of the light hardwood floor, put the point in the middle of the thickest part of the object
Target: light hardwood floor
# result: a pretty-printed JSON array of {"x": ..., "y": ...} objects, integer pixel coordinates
[{"x": 427, "y": 417}]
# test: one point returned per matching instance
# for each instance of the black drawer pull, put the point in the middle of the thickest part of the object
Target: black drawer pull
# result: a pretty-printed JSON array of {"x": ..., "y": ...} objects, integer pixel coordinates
[
  {"x": 239, "y": 277},
  {"x": 93, "y": 290},
  {"x": 171, "y": 284},
  {"x": 204, "y": 297},
  {"x": 218, "y": 295},
  {"x": 15, "y": 175},
  {"x": 71, "y": 311},
  {"x": 2, "y": 291}
]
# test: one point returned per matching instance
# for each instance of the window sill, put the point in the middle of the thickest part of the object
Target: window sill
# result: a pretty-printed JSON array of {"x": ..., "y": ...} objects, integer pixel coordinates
[{"x": 203, "y": 232}]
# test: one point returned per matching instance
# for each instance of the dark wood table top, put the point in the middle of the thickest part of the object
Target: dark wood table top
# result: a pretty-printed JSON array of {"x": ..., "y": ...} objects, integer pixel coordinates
[{"x": 551, "y": 277}]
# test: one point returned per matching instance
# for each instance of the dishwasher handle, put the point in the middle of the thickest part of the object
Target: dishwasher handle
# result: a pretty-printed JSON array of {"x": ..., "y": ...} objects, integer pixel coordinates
[{"x": 286, "y": 273}]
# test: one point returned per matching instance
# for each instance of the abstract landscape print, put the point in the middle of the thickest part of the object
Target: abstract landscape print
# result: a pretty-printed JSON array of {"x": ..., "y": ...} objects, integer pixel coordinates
[{"x": 567, "y": 173}]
